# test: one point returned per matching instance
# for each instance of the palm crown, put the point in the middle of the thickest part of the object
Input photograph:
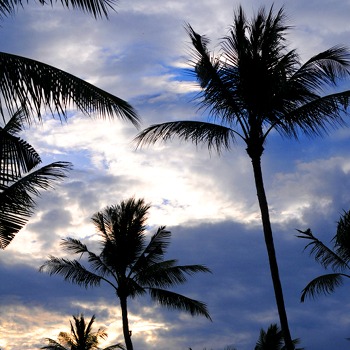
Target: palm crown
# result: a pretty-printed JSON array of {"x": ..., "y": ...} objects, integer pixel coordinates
[
  {"x": 81, "y": 337},
  {"x": 256, "y": 85}
]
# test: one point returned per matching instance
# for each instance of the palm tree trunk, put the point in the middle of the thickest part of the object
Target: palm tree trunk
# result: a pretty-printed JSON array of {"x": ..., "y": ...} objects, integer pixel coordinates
[
  {"x": 265, "y": 217},
  {"x": 126, "y": 331}
]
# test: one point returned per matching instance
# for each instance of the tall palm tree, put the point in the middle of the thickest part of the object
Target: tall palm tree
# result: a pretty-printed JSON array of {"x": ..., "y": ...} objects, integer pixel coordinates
[
  {"x": 20, "y": 178},
  {"x": 81, "y": 337},
  {"x": 272, "y": 339},
  {"x": 127, "y": 264},
  {"x": 336, "y": 258},
  {"x": 34, "y": 86},
  {"x": 253, "y": 87}
]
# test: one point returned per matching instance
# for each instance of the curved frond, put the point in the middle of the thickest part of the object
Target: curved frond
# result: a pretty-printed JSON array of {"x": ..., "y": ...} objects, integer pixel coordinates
[
  {"x": 325, "y": 68},
  {"x": 217, "y": 95},
  {"x": 317, "y": 116},
  {"x": 53, "y": 345},
  {"x": 35, "y": 85},
  {"x": 176, "y": 301},
  {"x": 322, "y": 254},
  {"x": 167, "y": 274},
  {"x": 71, "y": 270},
  {"x": 17, "y": 202},
  {"x": 97, "y": 8},
  {"x": 154, "y": 252},
  {"x": 116, "y": 346},
  {"x": 74, "y": 245},
  {"x": 216, "y": 136},
  {"x": 324, "y": 284}
]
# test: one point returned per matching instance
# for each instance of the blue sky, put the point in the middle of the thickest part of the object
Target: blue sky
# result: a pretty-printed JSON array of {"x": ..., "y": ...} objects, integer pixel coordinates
[{"x": 209, "y": 203}]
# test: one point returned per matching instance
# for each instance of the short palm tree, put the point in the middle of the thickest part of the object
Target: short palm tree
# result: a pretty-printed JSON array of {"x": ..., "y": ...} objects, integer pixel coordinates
[
  {"x": 272, "y": 339},
  {"x": 20, "y": 178},
  {"x": 254, "y": 87},
  {"x": 336, "y": 258},
  {"x": 127, "y": 264},
  {"x": 81, "y": 337}
]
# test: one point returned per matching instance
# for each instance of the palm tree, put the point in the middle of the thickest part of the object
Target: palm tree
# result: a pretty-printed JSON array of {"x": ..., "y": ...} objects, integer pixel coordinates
[
  {"x": 272, "y": 339},
  {"x": 80, "y": 337},
  {"x": 20, "y": 178},
  {"x": 127, "y": 264},
  {"x": 255, "y": 86},
  {"x": 34, "y": 86},
  {"x": 336, "y": 258}
]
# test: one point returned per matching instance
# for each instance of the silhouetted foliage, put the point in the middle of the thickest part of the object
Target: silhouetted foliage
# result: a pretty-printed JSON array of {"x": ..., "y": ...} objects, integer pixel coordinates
[
  {"x": 336, "y": 258},
  {"x": 127, "y": 264},
  {"x": 81, "y": 337},
  {"x": 21, "y": 180},
  {"x": 255, "y": 86}
]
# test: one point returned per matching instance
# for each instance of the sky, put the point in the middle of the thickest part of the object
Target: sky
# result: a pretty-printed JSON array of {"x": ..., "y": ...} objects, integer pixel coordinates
[{"x": 208, "y": 202}]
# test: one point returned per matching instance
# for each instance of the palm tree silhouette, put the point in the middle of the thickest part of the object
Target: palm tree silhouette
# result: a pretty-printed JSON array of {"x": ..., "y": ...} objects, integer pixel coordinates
[
  {"x": 81, "y": 337},
  {"x": 256, "y": 86},
  {"x": 336, "y": 258},
  {"x": 20, "y": 178},
  {"x": 126, "y": 263}
]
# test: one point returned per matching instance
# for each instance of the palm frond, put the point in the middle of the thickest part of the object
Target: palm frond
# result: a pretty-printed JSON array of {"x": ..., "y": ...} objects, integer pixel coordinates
[
  {"x": 216, "y": 136},
  {"x": 327, "y": 67},
  {"x": 53, "y": 345},
  {"x": 34, "y": 85},
  {"x": 322, "y": 254},
  {"x": 176, "y": 301},
  {"x": 97, "y": 8},
  {"x": 167, "y": 274},
  {"x": 72, "y": 271},
  {"x": 74, "y": 245},
  {"x": 317, "y": 116},
  {"x": 154, "y": 251},
  {"x": 17, "y": 202},
  {"x": 324, "y": 284},
  {"x": 115, "y": 346},
  {"x": 17, "y": 156},
  {"x": 216, "y": 95},
  {"x": 342, "y": 238}
]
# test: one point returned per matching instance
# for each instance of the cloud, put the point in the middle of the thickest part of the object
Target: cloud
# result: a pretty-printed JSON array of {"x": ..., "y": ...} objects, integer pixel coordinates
[{"x": 208, "y": 202}]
